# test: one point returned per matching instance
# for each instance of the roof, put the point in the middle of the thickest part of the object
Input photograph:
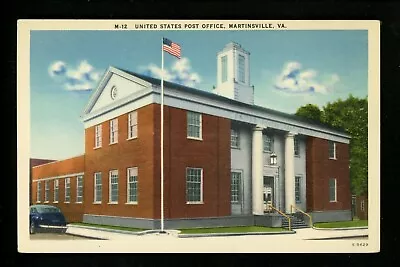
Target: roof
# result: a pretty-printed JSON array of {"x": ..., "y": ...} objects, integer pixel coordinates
[
  {"x": 36, "y": 162},
  {"x": 209, "y": 94}
]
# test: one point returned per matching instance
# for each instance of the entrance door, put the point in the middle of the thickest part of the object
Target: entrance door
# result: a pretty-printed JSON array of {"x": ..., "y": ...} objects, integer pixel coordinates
[{"x": 268, "y": 192}]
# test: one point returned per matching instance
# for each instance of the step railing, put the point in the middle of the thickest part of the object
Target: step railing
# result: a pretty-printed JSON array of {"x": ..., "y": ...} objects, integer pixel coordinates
[
  {"x": 304, "y": 213},
  {"x": 283, "y": 214}
]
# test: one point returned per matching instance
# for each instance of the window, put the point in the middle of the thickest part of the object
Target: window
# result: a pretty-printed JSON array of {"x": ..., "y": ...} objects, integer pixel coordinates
[
  {"x": 193, "y": 125},
  {"x": 67, "y": 190},
  {"x": 114, "y": 131},
  {"x": 97, "y": 139},
  {"x": 297, "y": 186},
  {"x": 97, "y": 187},
  {"x": 79, "y": 189},
  {"x": 268, "y": 143},
  {"x": 194, "y": 185},
  {"x": 224, "y": 68},
  {"x": 132, "y": 185},
  {"x": 56, "y": 186},
  {"x": 132, "y": 125},
  {"x": 296, "y": 146},
  {"x": 362, "y": 204},
  {"x": 332, "y": 150},
  {"x": 241, "y": 69},
  {"x": 332, "y": 190},
  {"x": 236, "y": 178},
  {"x": 113, "y": 198},
  {"x": 46, "y": 191},
  {"x": 39, "y": 191},
  {"x": 235, "y": 138}
]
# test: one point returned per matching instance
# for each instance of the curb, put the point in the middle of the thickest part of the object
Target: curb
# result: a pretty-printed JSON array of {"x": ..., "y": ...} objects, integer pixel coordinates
[
  {"x": 113, "y": 230},
  {"x": 86, "y": 236},
  {"x": 341, "y": 229},
  {"x": 235, "y": 234}
]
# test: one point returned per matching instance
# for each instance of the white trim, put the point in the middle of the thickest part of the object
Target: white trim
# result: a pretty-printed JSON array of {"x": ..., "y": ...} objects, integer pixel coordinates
[
  {"x": 98, "y": 130},
  {"x": 95, "y": 189},
  {"x": 200, "y": 138},
  {"x": 59, "y": 177},
  {"x": 201, "y": 201},
  {"x": 131, "y": 203},
  {"x": 240, "y": 195},
  {"x": 47, "y": 188},
  {"x": 127, "y": 185},
  {"x": 332, "y": 201},
  {"x": 135, "y": 124},
  {"x": 54, "y": 190},
  {"x": 65, "y": 189},
  {"x": 113, "y": 125},
  {"x": 109, "y": 186},
  {"x": 96, "y": 202},
  {"x": 77, "y": 188}
]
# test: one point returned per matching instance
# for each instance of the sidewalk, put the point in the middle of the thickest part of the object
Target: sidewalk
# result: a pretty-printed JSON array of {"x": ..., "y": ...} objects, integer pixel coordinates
[{"x": 301, "y": 234}]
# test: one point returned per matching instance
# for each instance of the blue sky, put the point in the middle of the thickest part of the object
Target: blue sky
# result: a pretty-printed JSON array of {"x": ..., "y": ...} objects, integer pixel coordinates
[{"x": 288, "y": 69}]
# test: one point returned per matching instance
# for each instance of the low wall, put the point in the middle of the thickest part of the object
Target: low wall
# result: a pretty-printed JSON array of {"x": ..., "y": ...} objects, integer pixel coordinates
[{"x": 331, "y": 216}]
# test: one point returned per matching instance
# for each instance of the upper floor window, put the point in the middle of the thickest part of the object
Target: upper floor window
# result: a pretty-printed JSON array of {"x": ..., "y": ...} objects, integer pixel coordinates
[
  {"x": 194, "y": 125},
  {"x": 39, "y": 191},
  {"x": 67, "y": 190},
  {"x": 132, "y": 125},
  {"x": 332, "y": 190},
  {"x": 332, "y": 150},
  {"x": 296, "y": 146},
  {"x": 114, "y": 131},
  {"x": 235, "y": 138},
  {"x": 79, "y": 189},
  {"x": 113, "y": 188},
  {"x": 268, "y": 143},
  {"x": 241, "y": 69},
  {"x": 97, "y": 134},
  {"x": 224, "y": 68}
]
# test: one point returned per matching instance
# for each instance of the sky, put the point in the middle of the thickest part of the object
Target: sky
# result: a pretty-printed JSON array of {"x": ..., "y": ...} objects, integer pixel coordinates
[{"x": 288, "y": 69}]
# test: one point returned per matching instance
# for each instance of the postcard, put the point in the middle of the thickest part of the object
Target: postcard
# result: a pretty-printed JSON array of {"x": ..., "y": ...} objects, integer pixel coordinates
[{"x": 198, "y": 136}]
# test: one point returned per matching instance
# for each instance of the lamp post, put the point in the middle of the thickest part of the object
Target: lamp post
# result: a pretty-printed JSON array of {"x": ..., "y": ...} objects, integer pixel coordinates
[
  {"x": 273, "y": 162},
  {"x": 273, "y": 158}
]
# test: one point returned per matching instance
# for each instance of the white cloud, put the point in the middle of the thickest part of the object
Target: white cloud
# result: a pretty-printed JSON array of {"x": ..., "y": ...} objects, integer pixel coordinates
[
  {"x": 293, "y": 79},
  {"x": 180, "y": 72},
  {"x": 84, "y": 77}
]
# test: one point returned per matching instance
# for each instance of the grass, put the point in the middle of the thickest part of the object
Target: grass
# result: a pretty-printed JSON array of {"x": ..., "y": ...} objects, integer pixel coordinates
[
  {"x": 110, "y": 227},
  {"x": 343, "y": 224},
  {"x": 237, "y": 229}
]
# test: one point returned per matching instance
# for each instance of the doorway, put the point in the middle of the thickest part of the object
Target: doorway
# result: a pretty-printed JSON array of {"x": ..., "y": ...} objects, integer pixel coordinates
[{"x": 268, "y": 193}]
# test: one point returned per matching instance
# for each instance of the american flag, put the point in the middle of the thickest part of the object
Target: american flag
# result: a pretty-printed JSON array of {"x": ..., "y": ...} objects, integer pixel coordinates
[{"x": 172, "y": 48}]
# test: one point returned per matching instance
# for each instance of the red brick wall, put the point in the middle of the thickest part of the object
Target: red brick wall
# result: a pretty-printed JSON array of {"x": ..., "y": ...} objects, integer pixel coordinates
[
  {"x": 73, "y": 211},
  {"x": 126, "y": 153},
  {"x": 212, "y": 154},
  {"x": 320, "y": 169}
]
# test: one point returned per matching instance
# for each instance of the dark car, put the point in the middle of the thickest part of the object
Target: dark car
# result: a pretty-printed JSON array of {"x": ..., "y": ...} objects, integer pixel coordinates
[{"x": 46, "y": 218}]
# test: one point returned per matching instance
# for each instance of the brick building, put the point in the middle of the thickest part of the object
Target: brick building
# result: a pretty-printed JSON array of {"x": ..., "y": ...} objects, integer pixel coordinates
[{"x": 218, "y": 168}]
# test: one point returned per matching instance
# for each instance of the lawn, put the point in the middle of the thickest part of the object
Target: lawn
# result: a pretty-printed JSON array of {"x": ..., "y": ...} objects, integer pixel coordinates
[
  {"x": 238, "y": 229},
  {"x": 110, "y": 227},
  {"x": 344, "y": 224}
]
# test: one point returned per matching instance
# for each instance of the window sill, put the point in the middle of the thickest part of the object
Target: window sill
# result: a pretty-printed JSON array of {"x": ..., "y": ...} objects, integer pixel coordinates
[
  {"x": 113, "y": 143},
  {"x": 97, "y": 203},
  {"x": 297, "y": 156},
  {"x": 195, "y": 203},
  {"x": 332, "y": 201},
  {"x": 66, "y": 202},
  {"x": 266, "y": 151},
  {"x": 38, "y": 202},
  {"x": 55, "y": 201},
  {"x": 131, "y": 203},
  {"x": 112, "y": 203},
  {"x": 235, "y": 147},
  {"x": 97, "y": 147},
  {"x": 46, "y": 201},
  {"x": 333, "y": 158},
  {"x": 195, "y": 138},
  {"x": 131, "y": 138},
  {"x": 79, "y": 202}
]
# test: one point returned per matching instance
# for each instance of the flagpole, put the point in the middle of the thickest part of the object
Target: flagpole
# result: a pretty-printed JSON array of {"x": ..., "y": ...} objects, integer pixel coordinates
[{"x": 162, "y": 136}]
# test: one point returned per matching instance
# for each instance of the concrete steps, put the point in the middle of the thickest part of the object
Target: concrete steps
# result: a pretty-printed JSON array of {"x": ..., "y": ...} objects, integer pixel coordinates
[{"x": 296, "y": 222}]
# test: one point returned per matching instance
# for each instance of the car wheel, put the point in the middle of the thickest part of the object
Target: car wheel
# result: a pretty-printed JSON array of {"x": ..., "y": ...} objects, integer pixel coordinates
[{"x": 32, "y": 228}]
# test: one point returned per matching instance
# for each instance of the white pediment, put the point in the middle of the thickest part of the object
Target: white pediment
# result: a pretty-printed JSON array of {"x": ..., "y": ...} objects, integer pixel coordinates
[{"x": 114, "y": 87}]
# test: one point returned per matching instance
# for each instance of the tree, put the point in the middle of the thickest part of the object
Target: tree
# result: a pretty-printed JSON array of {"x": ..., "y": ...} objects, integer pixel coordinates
[
  {"x": 352, "y": 116},
  {"x": 310, "y": 111}
]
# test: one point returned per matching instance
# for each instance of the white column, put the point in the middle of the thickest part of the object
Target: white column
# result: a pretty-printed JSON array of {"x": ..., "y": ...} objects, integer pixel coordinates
[
  {"x": 257, "y": 171},
  {"x": 289, "y": 172}
]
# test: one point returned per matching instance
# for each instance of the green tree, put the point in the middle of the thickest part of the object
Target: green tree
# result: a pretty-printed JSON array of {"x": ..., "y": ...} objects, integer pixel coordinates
[
  {"x": 351, "y": 115},
  {"x": 310, "y": 111}
]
